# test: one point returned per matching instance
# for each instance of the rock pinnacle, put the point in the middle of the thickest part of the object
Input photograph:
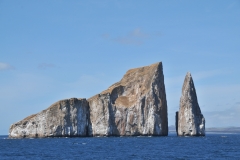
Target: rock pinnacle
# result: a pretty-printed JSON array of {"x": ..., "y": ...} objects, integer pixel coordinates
[{"x": 189, "y": 119}]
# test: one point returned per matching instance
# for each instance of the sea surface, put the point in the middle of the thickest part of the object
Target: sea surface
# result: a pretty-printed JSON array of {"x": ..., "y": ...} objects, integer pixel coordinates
[{"x": 212, "y": 146}]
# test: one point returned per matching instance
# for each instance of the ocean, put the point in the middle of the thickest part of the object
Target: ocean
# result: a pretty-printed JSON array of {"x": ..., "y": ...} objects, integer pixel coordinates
[{"x": 212, "y": 146}]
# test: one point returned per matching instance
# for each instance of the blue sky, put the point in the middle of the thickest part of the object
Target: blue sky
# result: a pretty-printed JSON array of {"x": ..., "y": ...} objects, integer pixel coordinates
[{"x": 52, "y": 50}]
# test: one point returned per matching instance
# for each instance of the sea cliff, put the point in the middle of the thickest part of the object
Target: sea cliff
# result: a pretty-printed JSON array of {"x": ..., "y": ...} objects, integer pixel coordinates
[{"x": 136, "y": 105}]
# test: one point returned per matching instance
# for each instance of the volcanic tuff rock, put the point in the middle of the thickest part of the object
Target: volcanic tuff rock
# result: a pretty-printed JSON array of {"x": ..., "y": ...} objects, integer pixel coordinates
[
  {"x": 67, "y": 117},
  {"x": 189, "y": 119},
  {"x": 134, "y": 106}
]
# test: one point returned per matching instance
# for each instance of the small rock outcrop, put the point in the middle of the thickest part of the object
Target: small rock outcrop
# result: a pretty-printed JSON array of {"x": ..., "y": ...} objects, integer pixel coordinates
[
  {"x": 136, "y": 105},
  {"x": 189, "y": 119},
  {"x": 64, "y": 118}
]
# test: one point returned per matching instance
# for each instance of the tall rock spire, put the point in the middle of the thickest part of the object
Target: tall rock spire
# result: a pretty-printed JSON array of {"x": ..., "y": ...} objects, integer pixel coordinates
[{"x": 189, "y": 119}]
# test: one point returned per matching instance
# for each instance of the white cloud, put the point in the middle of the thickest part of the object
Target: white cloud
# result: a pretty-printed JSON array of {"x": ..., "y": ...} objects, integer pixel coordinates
[
  {"x": 46, "y": 65},
  {"x": 135, "y": 37},
  {"x": 5, "y": 66},
  {"x": 105, "y": 35},
  {"x": 139, "y": 33},
  {"x": 128, "y": 40}
]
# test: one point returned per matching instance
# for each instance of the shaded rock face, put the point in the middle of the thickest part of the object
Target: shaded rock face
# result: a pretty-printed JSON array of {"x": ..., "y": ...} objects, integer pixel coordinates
[
  {"x": 134, "y": 106},
  {"x": 64, "y": 118},
  {"x": 190, "y": 121}
]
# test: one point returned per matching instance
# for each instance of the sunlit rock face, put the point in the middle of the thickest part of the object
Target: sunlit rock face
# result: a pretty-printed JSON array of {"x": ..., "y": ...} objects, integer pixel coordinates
[
  {"x": 136, "y": 105},
  {"x": 189, "y": 119},
  {"x": 64, "y": 118}
]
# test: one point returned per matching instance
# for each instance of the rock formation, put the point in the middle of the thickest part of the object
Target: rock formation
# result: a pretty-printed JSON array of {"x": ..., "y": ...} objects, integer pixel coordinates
[
  {"x": 136, "y": 105},
  {"x": 64, "y": 118},
  {"x": 189, "y": 119}
]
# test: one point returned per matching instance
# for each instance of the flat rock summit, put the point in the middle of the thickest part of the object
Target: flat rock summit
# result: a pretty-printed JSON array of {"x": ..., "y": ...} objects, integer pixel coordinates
[{"x": 136, "y": 105}]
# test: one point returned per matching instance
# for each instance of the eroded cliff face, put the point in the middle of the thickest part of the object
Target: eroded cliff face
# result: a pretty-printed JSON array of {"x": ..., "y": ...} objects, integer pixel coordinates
[
  {"x": 136, "y": 105},
  {"x": 190, "y": 119},
  {"x": 64, "y": 118}
]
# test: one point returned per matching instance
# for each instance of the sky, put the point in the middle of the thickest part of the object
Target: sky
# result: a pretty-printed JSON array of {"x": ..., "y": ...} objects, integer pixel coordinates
[{"x": 53, "y": 50}]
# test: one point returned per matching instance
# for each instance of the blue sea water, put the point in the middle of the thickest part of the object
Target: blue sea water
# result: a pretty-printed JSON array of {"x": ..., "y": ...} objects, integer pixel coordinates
[{"x": 212, "y": 146}]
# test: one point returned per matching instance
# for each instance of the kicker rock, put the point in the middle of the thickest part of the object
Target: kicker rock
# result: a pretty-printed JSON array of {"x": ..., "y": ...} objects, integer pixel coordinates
[
  {"x": 64, "y": 118},
  {"x": 189, "y": 119},
  {"x": 134, "y": 106}
]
